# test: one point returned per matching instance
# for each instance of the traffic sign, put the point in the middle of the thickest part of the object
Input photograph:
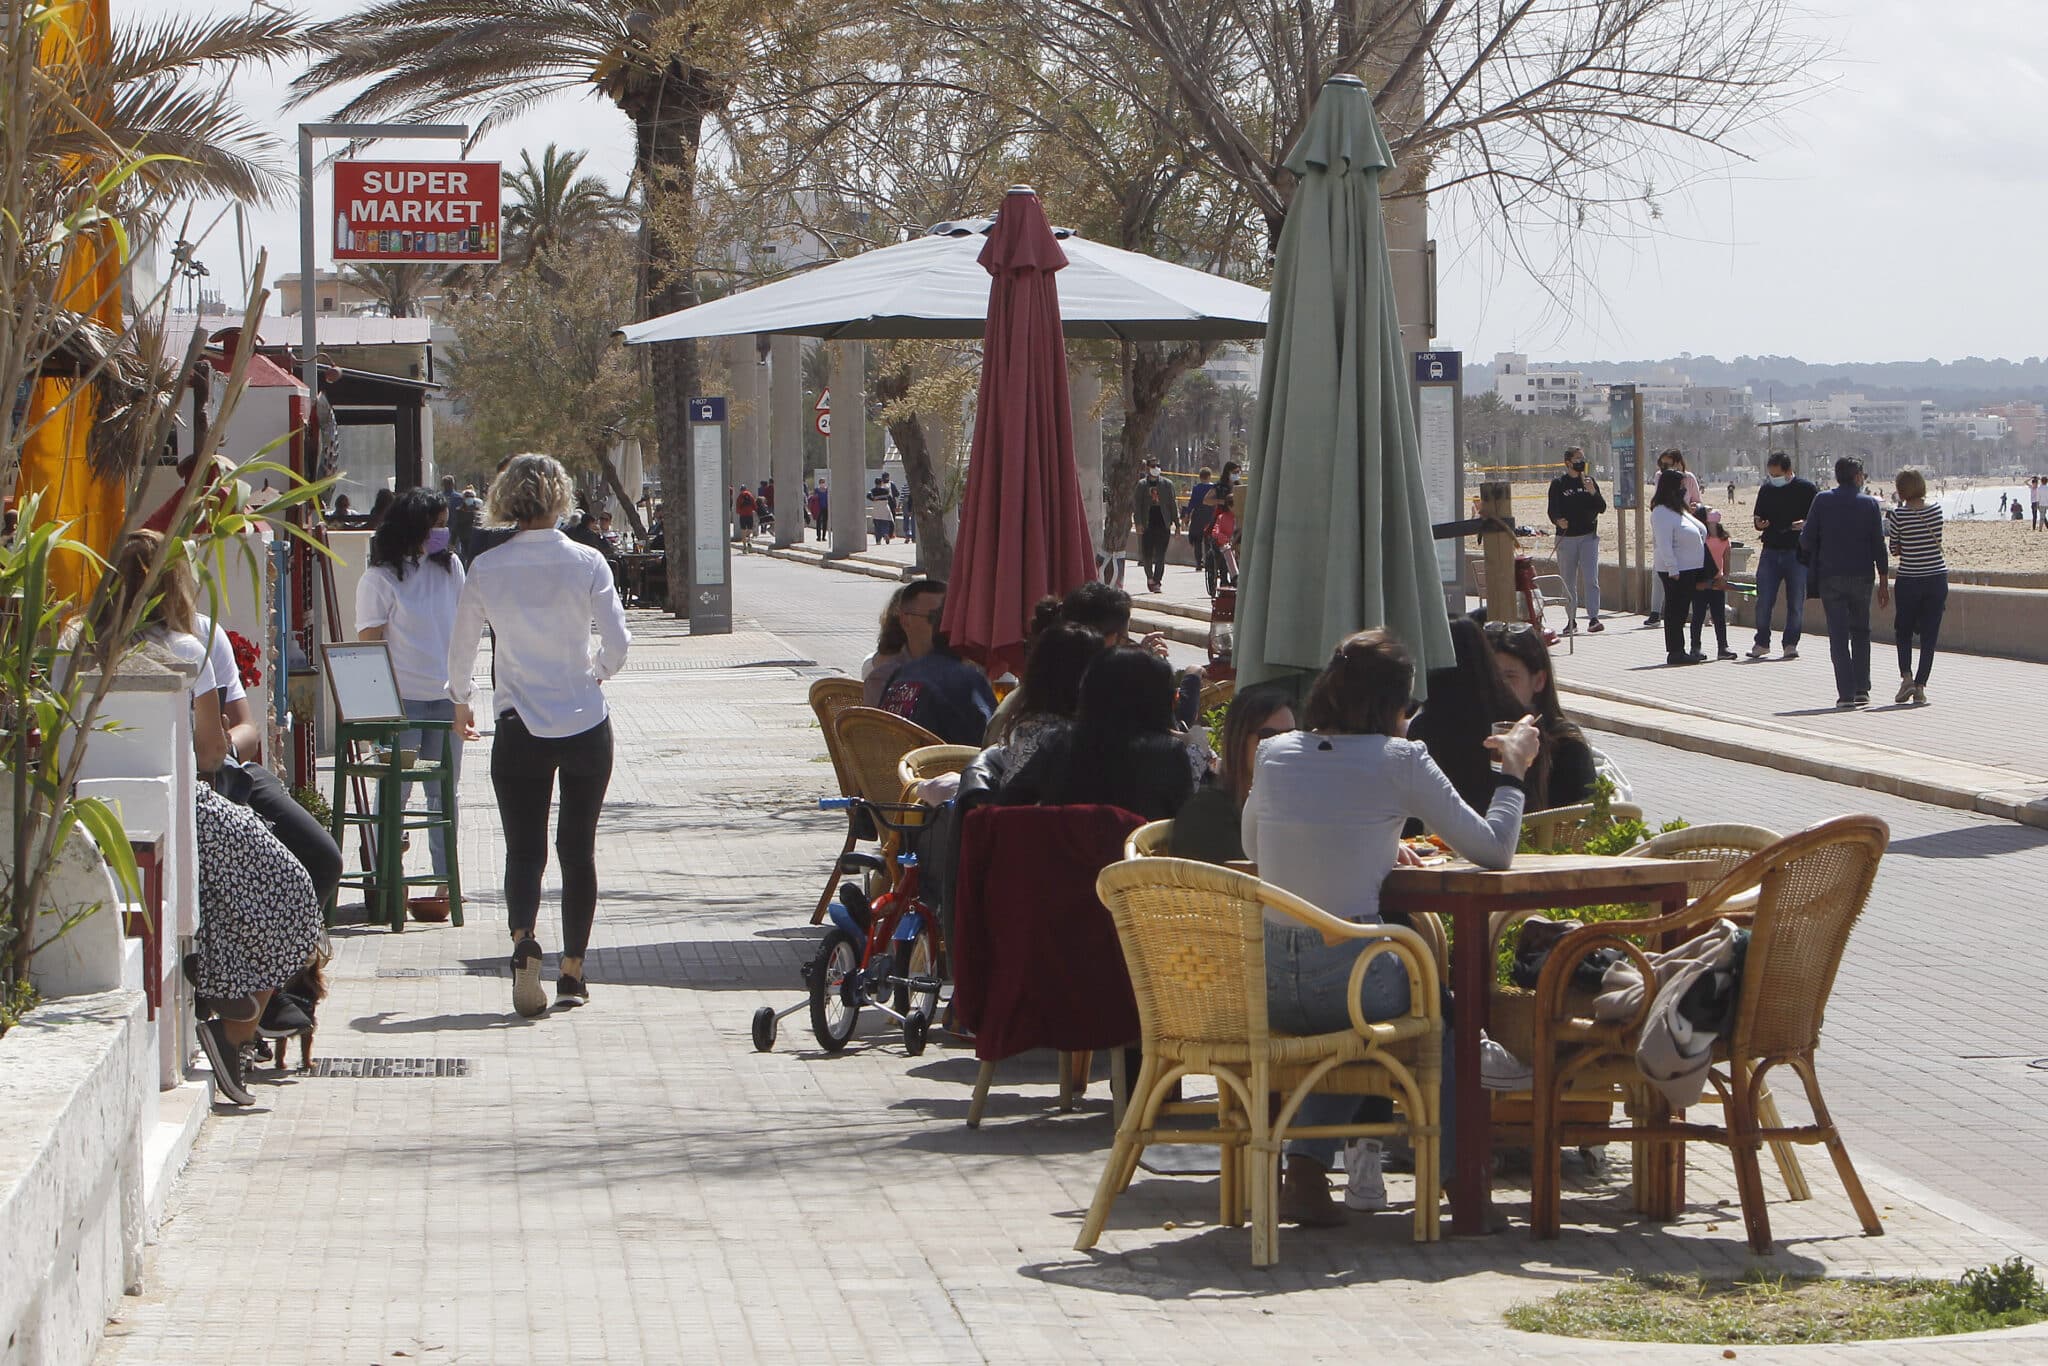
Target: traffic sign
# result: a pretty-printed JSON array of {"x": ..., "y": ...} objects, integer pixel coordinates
[
  {"x": 416, "y": 210},
  {"x": 824, "y": 423},
  {"x": 824, "y": 404}
]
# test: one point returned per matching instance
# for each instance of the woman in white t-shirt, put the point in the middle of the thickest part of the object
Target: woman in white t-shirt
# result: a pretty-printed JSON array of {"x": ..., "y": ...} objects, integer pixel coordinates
[{"x": 406, "y": 599}]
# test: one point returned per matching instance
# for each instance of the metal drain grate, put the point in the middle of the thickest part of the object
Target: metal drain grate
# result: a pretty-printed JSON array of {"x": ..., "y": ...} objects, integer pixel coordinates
[
  {"x": 460, "y": 970},
  {"x": 390, "y": 1069}
]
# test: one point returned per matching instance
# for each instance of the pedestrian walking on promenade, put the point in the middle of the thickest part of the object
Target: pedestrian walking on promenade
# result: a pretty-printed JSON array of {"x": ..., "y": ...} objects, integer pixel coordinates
[
  {"x": 540, "y": 594},
  {"x": 1914, "y": 529},
  {"x": 1673, "y": 459},
  {"x": 1157, "y": 514},
  {"x": 1575, "y": 507},
  {"x": 1711, "y": 598},
  {"x": 1780, "y": 514},
  {"x": 882, "y": 512},
  {"x": 1680, "y": 543},
  {"x": 745, "y": 505},
  {"x": 1844, "y": 545}
]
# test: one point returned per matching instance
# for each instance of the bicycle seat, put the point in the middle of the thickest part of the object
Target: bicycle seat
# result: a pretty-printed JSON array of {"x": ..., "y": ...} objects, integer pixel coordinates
[{"x": 858, "y": 863}]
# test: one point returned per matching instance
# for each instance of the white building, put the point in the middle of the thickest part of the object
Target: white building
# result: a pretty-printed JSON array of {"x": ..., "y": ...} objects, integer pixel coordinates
[
  {"x": 1973, "y": 426},
  {"x": 1234, "y": 366},
  {"x": 1897, "y": 416},
  {"x": 1527, "y": 388}
]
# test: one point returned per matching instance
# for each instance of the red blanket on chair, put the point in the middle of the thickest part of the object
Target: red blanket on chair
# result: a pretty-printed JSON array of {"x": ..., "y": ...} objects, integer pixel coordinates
[{"x": 1036, "y": 963}]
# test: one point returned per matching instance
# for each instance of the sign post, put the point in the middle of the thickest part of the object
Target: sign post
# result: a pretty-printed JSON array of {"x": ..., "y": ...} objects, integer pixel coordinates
[
  {"x": 1439, "y": 426},
  {"x": 824, "y": 411},
  {"x": 710, "y": 546},
  {"x": 1623, "y": 425}
]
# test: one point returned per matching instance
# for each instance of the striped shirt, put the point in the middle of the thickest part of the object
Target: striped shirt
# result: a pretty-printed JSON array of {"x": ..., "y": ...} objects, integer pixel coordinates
[{"x": 1915, "y": 534}]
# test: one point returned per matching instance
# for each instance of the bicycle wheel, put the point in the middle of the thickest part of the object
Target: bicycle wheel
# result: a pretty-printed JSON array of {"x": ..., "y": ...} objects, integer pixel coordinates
[
  {"x": 835, "y": 1008},
  {"x": 917, "y": 958}
]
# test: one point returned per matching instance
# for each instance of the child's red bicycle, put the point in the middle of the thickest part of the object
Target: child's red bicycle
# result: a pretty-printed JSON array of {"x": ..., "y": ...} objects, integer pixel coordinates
[{"x": 884, "y": 953}]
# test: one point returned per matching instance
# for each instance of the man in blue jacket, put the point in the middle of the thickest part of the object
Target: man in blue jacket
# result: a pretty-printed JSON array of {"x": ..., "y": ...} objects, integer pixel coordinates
[{"x": 1845, "y": 548}]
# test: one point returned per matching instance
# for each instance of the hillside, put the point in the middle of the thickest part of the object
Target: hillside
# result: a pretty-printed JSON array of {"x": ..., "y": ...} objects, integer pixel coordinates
[{"x": 1967, "y": 382}]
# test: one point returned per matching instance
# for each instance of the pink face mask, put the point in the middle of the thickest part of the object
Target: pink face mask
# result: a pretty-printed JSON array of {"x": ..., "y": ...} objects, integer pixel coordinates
[{"x": 437, "y": 541}]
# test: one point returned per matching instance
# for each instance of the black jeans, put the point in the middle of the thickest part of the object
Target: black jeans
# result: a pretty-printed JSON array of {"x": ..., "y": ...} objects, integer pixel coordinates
[
  {"x": 1919, "y": 601},
  {"x": 1846, "y": 600},
  {"x": 1712, "y": 601},
  {"x": 524, "y": 771},
  {"x": 257, "y": 788},
  {"x": 1152, "y": 551},
  {"x": 1678, "y": 590}
]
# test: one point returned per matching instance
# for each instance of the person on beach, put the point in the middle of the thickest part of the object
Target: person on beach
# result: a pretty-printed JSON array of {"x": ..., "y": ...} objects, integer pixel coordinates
[
  {"x": 540, "y": 594},
  {"x": 1680, "y": 542},
  {"x": 1780, "y": 514},
  {"x": 1673, "y": 459},
  {"x": 1712, "y": 596},
  {"x": 1845, "y": 545},
  {"x": 1914, "y": 531},
  {"x": 1575, "y": 506}
]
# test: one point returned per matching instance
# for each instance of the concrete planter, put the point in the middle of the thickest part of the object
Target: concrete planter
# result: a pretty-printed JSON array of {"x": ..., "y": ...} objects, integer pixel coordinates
[{"x": 77, "y": 1093}]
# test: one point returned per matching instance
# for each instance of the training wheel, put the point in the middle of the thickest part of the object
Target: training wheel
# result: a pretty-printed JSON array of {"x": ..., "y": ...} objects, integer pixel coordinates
[
  {"x": 916, "y": 1027},
  {"x": 764, "y": 1029}
]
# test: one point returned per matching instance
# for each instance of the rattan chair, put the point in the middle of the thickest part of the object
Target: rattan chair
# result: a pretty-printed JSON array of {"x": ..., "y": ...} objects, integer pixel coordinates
[
  {"x": 932, "y": 761},
  {"x": 1216, "y": 695},
  {"x": 829, "y": 697},
  {"x": 1154, "y": 839},
  {"x": 1809, "y": 890},
  {"x": 872, "y": 743},
  {"x": 1565, "y": 829},
  {"x": 1194, "y": 937}
]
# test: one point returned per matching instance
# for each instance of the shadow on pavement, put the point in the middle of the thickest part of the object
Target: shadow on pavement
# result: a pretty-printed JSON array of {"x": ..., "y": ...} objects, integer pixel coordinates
[
  {"x": 389, "y": 1022},
  {"x": 1972, "y": 841}
]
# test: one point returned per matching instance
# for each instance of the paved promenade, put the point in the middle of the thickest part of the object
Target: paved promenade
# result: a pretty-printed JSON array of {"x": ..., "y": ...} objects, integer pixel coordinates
[{"x": 631, "y": 1182}]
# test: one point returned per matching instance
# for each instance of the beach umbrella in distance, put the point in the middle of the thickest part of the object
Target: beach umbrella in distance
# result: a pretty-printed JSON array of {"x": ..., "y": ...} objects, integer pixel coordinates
[
  {"x": 1023, "y": 527},
  {"x": 1337, "y": 530}
]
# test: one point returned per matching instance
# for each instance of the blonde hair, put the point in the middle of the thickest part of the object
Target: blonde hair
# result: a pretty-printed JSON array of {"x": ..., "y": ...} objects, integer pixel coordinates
[
  {"x": 177, "y": 589},
  {"x": 1911, "y": 484},
  {"x": 531, "y": 488}
]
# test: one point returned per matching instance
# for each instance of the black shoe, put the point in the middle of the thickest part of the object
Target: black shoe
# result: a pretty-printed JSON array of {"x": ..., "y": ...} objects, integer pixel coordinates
[
  {"x": 226, "y": 1061},
  {"x": 1863, "y": 699},
  {"x": 1844, "y": 703},
  {"x": 1729, "y": 654},
  {"x": 1595, "y": 626},
  {"x": 1676, "y": 660},
  {"x": 529, "y": 997},
  {"x": 1695, "y": 658},
  {"x": 1654, "y": 619},
  {"x": 283, "y": 1018},
  {"x": 571, "y": 992}
]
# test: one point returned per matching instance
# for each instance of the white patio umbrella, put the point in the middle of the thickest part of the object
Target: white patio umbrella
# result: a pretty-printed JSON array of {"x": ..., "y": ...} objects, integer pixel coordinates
[{"x": 935, "y": 286}]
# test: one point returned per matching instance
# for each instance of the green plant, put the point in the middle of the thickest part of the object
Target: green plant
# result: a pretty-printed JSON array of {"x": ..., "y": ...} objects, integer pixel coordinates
[
  {"x": 316, "y": 805},
  {"x": 17, "y": 999},
  {"x": 2003, "y": 1289}
]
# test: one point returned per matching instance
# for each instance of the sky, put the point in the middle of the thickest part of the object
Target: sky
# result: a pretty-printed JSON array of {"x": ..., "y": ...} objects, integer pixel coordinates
[{"x": 1894, "y": 215}]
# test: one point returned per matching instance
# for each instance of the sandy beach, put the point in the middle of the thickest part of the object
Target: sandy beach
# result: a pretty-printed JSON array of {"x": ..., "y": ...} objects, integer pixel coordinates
[{"x": 1988, "y": 542}]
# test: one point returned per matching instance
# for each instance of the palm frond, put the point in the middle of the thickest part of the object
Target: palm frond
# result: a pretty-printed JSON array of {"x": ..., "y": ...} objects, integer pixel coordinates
[{"x": 184, "y": 47}]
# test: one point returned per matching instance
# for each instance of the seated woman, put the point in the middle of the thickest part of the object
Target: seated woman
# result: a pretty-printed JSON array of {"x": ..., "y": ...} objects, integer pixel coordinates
[
  {"x": 1464, "y": 703},
  {"x": 1565, "y": 773},
  {"x": 1050, "y": 696},
  {"x": 1121, "y": 749},
  {"x": 1324, "y": 821},
  {"x": 1208, "y": 826}
]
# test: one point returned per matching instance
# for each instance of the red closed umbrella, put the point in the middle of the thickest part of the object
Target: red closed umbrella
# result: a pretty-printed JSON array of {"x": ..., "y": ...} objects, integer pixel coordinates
[{"x": 1023, "y": 527}]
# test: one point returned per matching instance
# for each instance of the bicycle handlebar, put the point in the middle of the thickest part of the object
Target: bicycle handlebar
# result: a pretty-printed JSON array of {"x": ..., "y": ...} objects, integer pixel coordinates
[{"x": 877, "y": 810}]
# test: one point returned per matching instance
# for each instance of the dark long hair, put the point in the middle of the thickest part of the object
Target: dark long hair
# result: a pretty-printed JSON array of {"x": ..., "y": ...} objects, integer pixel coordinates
[
  {"x": 1364, "y": 689},
  {"x": 1670, "y": 491},
  {"x": 1060, "y": 658},
  {"x": 890, "y": 639},
  {"x": 1527, "y": 646},
  {"x": 1249, "y": 710},
  {"x": 1464, "y": 702},
  {"x": 399, "y": 538}
]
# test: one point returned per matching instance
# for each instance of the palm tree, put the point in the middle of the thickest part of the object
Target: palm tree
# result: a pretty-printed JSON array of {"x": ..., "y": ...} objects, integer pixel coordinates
[
  {"x": 399, "y": 286},
  {"x": 492, "y": 59},
  {"x": 549, "y": 203}
]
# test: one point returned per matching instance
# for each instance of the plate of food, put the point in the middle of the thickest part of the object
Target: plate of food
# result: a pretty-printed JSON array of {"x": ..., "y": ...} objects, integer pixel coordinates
[{"x": 1428, "y": 850}]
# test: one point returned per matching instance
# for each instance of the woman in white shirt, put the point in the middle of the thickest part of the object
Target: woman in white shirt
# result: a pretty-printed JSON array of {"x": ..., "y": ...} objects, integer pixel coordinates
[
  {"x": 540, "y": 593},
  {"x": 1324, "y": 821},
  {"x": 1679, "y": 540},
  {"x": 406, "y": 598}
]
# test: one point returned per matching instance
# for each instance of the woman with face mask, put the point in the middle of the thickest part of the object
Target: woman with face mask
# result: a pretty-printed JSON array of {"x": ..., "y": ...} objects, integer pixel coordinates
[{"x": 406, "y": 599}]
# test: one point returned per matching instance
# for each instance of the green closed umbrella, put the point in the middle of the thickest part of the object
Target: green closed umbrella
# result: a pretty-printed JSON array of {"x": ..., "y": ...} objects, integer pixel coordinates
[{"x": 1337, "y": 531}]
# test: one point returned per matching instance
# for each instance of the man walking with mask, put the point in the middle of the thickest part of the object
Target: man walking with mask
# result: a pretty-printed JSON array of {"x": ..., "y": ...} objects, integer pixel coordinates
[
  {"x": 1575, "y": 507},
  {"x": 1781, "y": 506},
  {"x": 1845, "y": 545},
  {"x": 1157, "y": 512}
]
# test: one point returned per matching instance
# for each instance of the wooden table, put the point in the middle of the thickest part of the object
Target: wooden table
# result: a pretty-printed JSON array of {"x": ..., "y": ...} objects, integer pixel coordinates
[{"x": 1468, "y": 897}]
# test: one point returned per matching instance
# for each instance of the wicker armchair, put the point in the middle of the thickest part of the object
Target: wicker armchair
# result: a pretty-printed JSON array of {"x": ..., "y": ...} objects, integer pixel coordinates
[
  {"x": 1154, "y": 839},
  {"x": 872, "y": 744},
  {"x": 1194, "y": 937},
  {"x": 1565, "y": 829},
  {"x": 1216, "y": 695},
  {"x": 932, "y": 761},
  {"x": 829, "y": 697},
  {"x": 1809, "y": 890}
]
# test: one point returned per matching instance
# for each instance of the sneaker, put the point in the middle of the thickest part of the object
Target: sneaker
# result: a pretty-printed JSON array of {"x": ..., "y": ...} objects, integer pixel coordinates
[
  {"x": 1759, "y": 651},
  {"x": 1305, "y": 1197},
  {"x": 1863, "y": 699},
  {"x": 1919, "y": 696},
  {"x": 1595, "y": 626},
  {"x": 1571, "y": 628},
  {"x": 529, "y": 998},
  {"x": 225, "y": 1060},
  {"x": 571, "y": 992},
  {"x": 1500, "y": 1070},
  {"x": 1365, "y": 1188},
  {"x": 1844, "y": 703},
  {"x": 1654, "y": 619},
  {"x": 1791, "y": 652},
  {"x": 1728, "y": 654},
  {"x": 1905, "y": 693}
]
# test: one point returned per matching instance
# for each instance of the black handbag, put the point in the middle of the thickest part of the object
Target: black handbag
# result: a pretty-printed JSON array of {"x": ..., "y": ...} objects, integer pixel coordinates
[{"x": 1541, "y": 936}]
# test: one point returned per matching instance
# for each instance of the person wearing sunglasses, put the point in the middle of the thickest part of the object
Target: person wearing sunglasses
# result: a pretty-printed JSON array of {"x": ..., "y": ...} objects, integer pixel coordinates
[
  {"x": 1208, "y": 826},
  {"x": 934, "y": 687}
]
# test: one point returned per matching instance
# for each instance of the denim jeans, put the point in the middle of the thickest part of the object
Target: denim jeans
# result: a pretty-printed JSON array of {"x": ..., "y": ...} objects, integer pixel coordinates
[
  {"x": 1775, "y": 568},
  {"x": 429, "y": 743},
  {"x": 1846, "y": 600},
  {"x": 1919, "y": 599},
  {"x": 1578, "y": 560},
  {"x": 1305, "y": 984}
]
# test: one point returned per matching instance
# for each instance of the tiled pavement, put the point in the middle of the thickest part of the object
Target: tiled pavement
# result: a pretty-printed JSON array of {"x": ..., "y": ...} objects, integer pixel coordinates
[{"x": 631, "y": 1182}]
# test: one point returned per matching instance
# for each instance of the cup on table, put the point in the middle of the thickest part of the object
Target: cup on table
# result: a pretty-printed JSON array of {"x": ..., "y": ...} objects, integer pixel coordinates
[{"x": 1497, "y": 730}]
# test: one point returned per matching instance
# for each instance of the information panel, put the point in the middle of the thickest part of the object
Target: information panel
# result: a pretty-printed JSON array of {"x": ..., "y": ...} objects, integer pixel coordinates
[
  {"x": 710, "y": 539},
  {"x": 1439, "y": 387},
  {"x": 1621, "y": 439}
]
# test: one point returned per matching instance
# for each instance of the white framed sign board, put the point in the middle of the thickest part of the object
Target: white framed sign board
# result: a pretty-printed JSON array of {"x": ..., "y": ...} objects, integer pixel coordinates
[
  {"x": 1439, "y": 424},
  {"x": 365, "y": 687},
  {"x": 710, "y": 545}
]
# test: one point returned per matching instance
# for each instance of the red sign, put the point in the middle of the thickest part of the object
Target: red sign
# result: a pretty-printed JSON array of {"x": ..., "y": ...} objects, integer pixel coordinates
[{"x": 416, "y": 210}]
